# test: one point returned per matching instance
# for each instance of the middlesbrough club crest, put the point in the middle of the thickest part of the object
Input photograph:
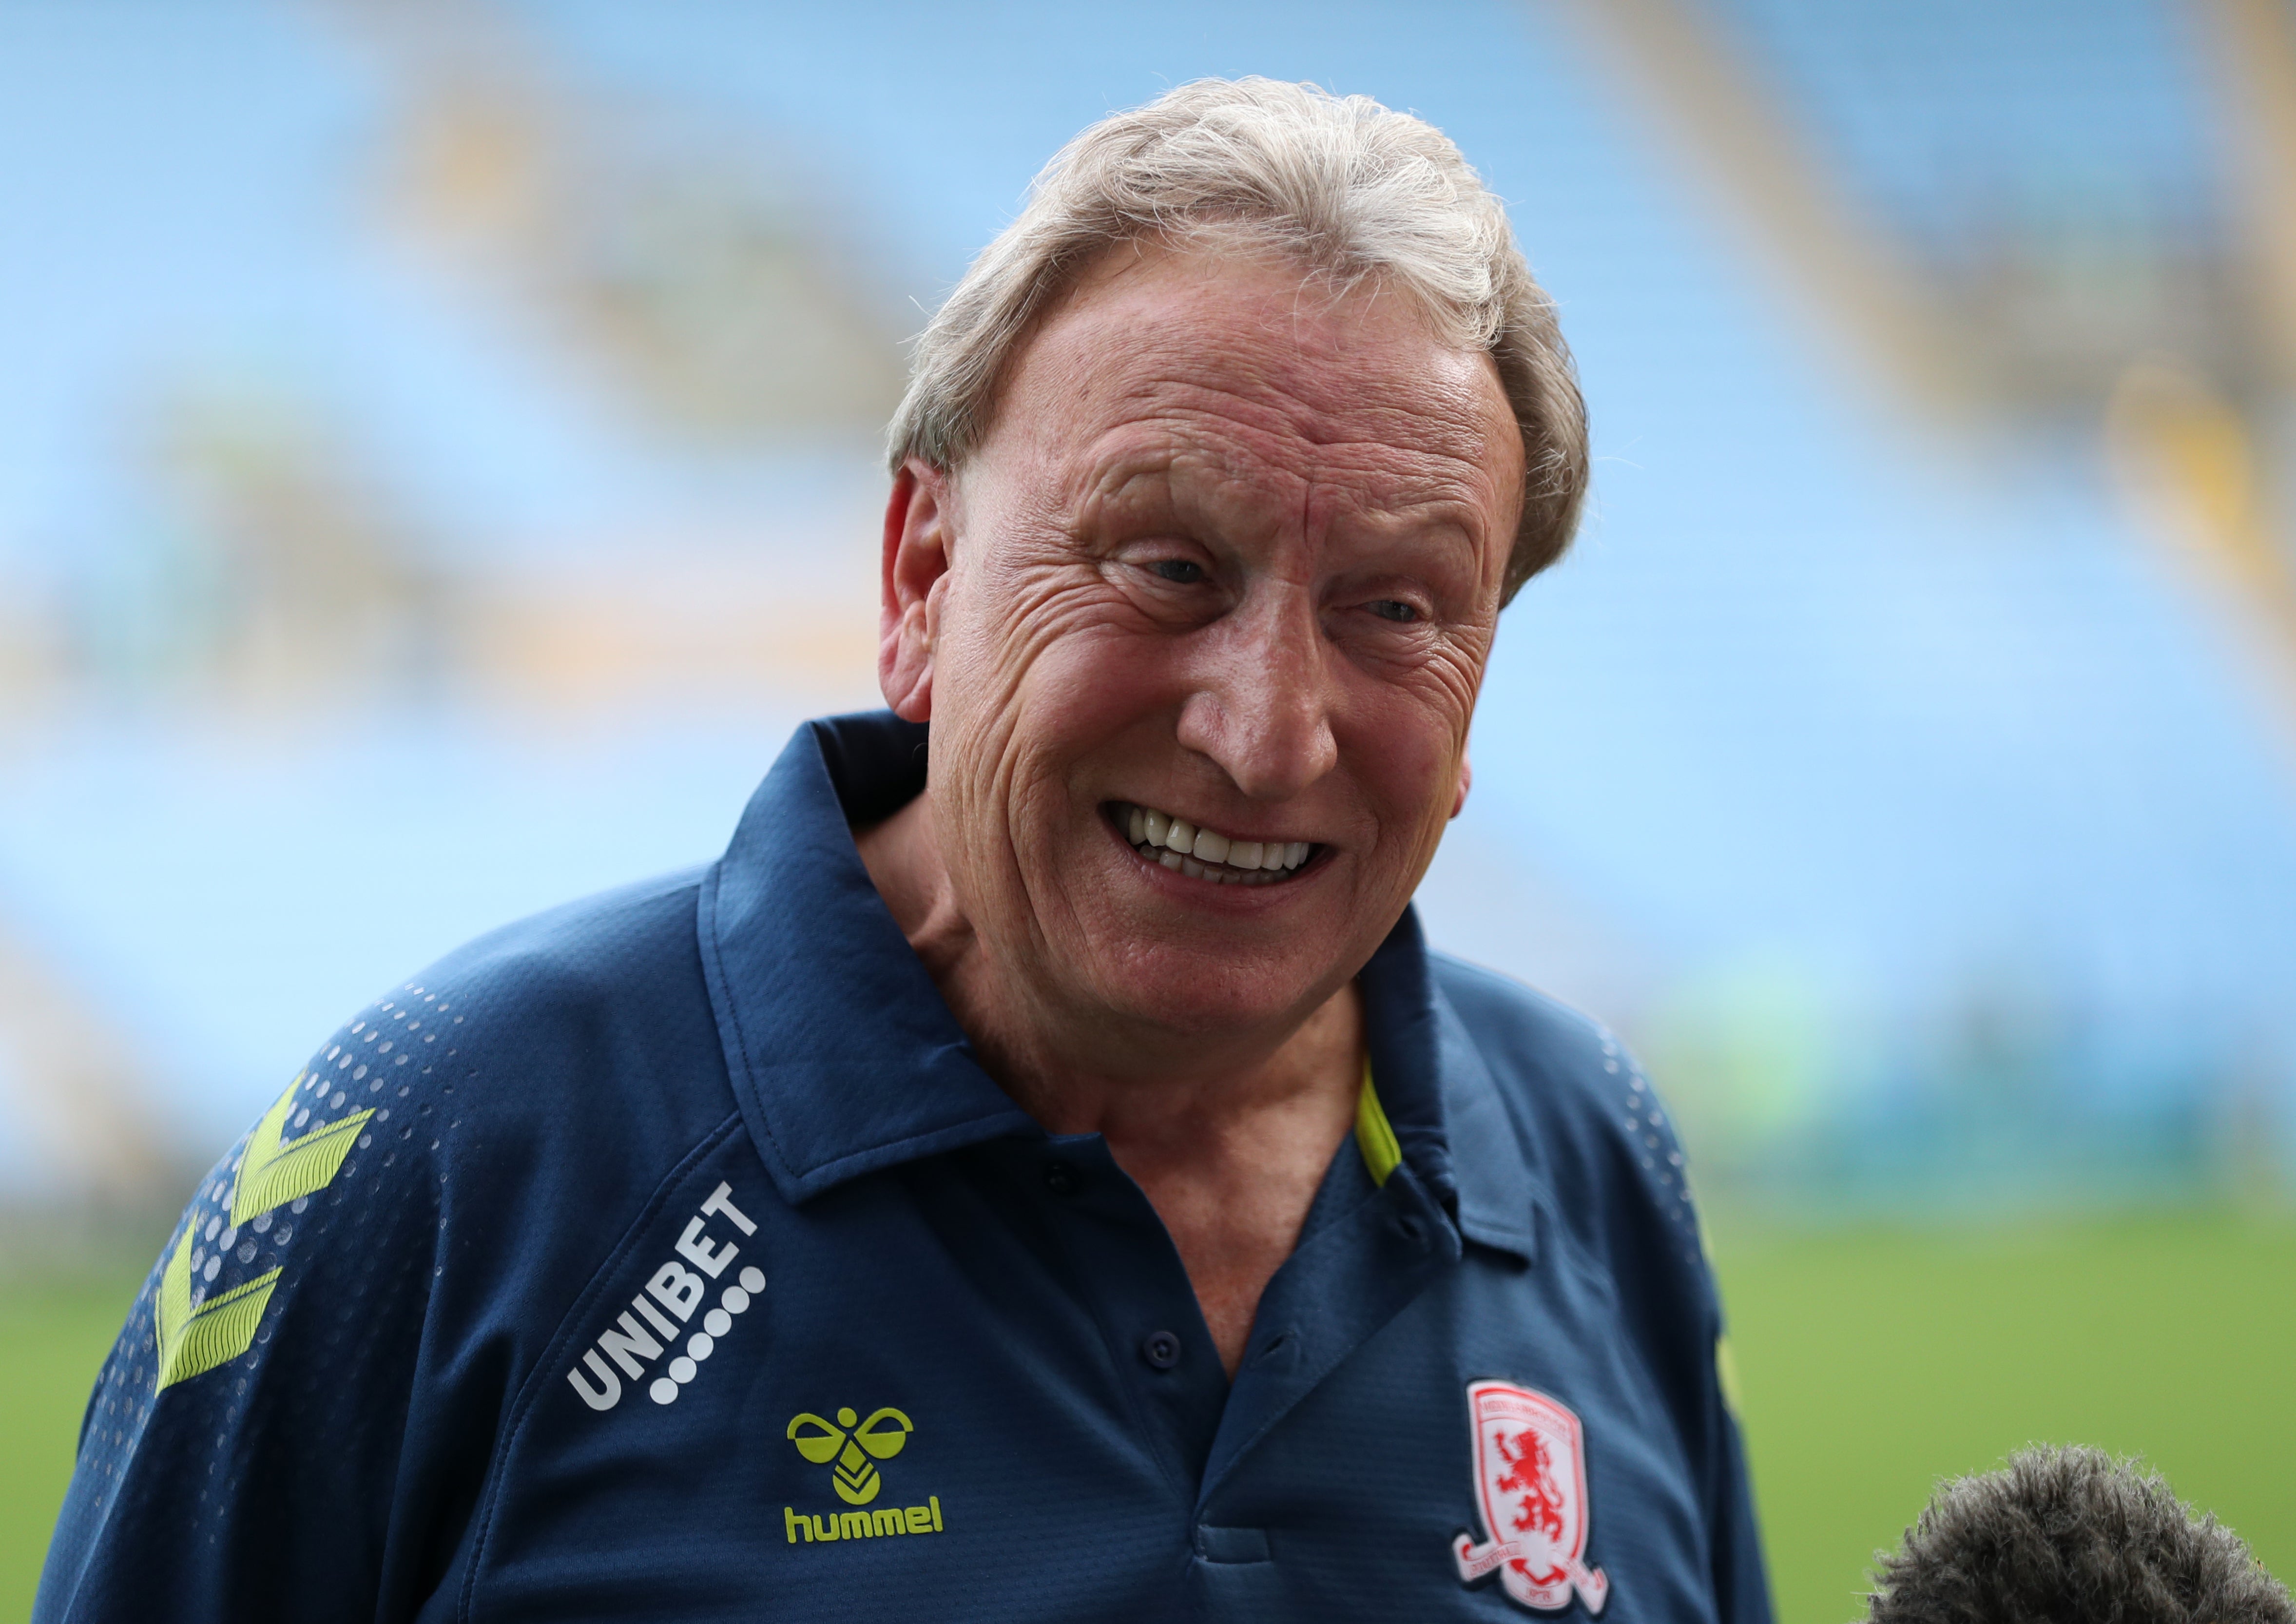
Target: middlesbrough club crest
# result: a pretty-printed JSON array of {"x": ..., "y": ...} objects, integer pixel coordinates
[{"x": 1530, "y": 1485}]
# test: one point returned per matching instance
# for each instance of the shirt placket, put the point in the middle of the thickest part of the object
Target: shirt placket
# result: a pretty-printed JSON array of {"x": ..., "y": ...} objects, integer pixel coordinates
[
  {"x": 1348, "y": 1278},
  {"x": 1165, "y": 1363},
  {"x": 1346, "y": 1281}
]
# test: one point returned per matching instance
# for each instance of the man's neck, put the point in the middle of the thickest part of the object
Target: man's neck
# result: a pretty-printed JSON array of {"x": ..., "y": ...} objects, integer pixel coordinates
[{"x": 1228, "y": 1139}]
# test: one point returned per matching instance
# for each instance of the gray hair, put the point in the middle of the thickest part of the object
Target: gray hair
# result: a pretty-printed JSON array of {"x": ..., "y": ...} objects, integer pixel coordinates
[
  {"x": 1353, "y": 191},
  {"x": 2074, "y": 1537}
]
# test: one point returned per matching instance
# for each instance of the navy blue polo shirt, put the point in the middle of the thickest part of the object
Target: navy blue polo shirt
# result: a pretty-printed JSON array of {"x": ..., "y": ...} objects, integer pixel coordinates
[{"x": 671, "y": 1257}]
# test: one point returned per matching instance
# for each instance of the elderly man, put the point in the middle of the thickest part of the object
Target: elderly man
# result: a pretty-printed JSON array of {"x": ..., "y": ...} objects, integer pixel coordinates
[{"x": 1039, "y": 1171}]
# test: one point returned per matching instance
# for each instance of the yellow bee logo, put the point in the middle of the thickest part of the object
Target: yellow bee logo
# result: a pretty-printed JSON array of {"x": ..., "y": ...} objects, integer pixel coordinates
[{"x": 856, "y": 1480}]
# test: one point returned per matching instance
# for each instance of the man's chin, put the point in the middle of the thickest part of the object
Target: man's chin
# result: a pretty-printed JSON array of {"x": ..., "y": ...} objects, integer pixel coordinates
[{"x": 1208, "y": 999}]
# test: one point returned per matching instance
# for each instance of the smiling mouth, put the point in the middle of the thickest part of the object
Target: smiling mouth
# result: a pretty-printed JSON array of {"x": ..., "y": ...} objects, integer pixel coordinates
[{"x": 1206, "y": 854}]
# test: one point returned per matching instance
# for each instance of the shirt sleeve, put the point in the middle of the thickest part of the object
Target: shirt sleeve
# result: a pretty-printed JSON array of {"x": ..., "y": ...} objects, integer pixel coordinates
[
  {"x": 242, "y": 1452},
  {"x": 1742, "y": 1586},
  {"x": 1741, "y": 1575},
  {"x": 1671, "y": 1296}
]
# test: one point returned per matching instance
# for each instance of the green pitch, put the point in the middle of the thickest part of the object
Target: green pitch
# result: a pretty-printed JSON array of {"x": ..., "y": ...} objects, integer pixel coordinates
[
  {"x": 1870, "y": 1364},
  {"x": 54, "y": 1334}
]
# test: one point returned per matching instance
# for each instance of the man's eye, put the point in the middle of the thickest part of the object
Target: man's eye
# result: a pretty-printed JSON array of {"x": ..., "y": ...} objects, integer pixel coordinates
[
  {"x": 1395, "y": 609},
  {"x": 1178, "y": 570}
]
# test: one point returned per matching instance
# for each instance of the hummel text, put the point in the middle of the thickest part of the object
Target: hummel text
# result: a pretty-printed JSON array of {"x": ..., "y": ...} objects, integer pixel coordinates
[{"x": 863, "y": 1524}]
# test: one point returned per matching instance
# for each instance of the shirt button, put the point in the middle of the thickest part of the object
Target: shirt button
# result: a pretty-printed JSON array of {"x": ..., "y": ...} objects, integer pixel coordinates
[
  {"x": 1160, "y": 1349},
  {"x": 1061, "y": 1179}
]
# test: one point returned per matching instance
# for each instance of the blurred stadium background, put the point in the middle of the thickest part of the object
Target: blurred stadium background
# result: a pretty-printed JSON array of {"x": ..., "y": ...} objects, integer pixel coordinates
[{"x": 438, "y": 465}]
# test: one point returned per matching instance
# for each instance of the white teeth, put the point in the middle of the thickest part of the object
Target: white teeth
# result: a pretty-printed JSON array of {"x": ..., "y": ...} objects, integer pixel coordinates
[{"x": 1206, "y": 853}]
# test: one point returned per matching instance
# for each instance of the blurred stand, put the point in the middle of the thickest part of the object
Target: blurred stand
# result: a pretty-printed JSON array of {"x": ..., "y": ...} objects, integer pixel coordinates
[
  {"x": 286, "y": 613},
  {"x": 687, "y": 278},
  {"x": 2138, "y": 334},
  {"x": 2170, "y": 325},
  {"x": 703, "y": 272},
  {"x": 278, "y": 585},
  {"x": 108, "y": 1174}
]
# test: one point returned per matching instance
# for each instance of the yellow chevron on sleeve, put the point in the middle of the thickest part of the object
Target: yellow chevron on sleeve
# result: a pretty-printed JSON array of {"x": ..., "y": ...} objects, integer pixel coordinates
[
  {"x": 195, "y": 1340},
  {"x": 272, "y": 1173}
]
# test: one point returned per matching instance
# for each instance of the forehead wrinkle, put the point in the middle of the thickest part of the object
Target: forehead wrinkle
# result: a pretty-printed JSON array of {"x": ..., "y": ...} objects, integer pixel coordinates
[
  {"x": 1439, "y": 498},
  {"x": 1324, "y": 414},
  {"x": 1324, "y": 364},
  {"x": 1287, "y": 413},
  {"x": 1165, "y": 464},
  {"x": 1333, "y": 361},
  {"x": 1324, "y": 404},
  {"x": 1175, "y": 434}
]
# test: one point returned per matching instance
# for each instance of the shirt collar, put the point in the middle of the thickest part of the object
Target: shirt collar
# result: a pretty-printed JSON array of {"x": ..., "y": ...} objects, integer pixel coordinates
[
  {"x": 844, "y": 1060},
  {"x": 1439, "y": 1096},
  {"x": 843, "y": 1057}
]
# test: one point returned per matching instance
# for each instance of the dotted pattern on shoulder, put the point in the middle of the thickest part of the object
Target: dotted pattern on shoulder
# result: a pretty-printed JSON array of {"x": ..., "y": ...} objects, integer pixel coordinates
[
  {"x": 1653, "y": 1143},
  {"x": 378, "y": 1104}
]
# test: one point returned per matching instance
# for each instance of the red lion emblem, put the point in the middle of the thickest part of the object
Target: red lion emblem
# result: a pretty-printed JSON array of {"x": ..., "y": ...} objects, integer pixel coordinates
[
  {"x": 1530, "y": 1472},
  {"x": 1531, "y": 1487}
]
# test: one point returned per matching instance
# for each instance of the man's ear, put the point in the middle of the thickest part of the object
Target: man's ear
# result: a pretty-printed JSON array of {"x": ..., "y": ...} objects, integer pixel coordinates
[
  {"x": 917, "y": 550},
  {"x": 1466, "y": 777}
]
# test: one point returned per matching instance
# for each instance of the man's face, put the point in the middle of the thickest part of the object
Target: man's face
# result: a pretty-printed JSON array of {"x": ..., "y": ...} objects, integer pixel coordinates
[{"x": 1230, "y": 556}]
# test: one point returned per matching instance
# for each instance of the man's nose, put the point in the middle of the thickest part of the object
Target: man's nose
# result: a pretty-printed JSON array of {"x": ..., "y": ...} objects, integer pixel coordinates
[{"x": 1262, "y": 706}]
